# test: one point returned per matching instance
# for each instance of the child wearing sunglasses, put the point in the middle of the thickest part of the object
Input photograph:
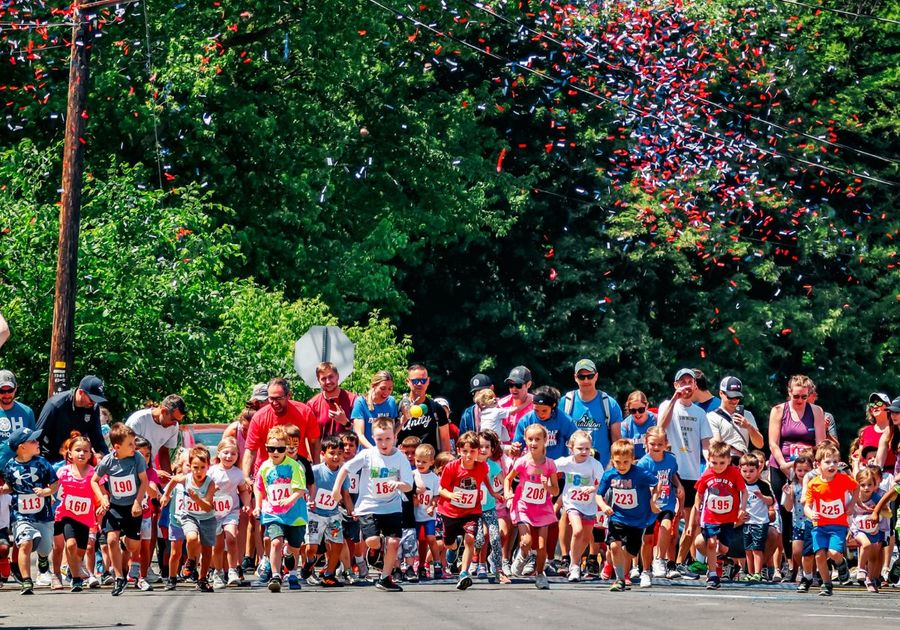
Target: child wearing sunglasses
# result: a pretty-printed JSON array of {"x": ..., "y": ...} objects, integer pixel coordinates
[{"x": 640, "y": 418}]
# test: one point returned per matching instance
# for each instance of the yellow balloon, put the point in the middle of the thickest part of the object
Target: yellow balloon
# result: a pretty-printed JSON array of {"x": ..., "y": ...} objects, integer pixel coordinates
[{"x": 415, "y": 411}]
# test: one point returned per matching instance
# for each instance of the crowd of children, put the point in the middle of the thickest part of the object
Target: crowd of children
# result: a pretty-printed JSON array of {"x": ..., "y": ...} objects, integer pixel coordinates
[{"x": 484, "y": 513}]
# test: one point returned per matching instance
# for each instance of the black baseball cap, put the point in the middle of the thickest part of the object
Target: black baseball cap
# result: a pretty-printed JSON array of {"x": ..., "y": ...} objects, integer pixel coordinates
[
  {"x": 519, "y": 375},
  {"x": 731, "y": 387},
  {"x": 479, "y": 382},
  {"x": 93, "y": 387}
]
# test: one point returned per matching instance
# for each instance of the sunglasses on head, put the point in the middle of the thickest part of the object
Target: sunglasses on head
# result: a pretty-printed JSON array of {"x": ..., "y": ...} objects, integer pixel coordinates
[
  {"x": 799, "y": 396},
  {"x": 637, "y": 410},
  {"x": 276, "y": 449},
  {"x": 418, "y": 381},
  {"x": 585, "y": 377}
]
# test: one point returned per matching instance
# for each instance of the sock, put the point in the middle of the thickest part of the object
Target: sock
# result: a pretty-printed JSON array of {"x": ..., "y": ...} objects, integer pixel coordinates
[
  {"x": 289, "y": 563},
  {"x": 808, "y": 575}
]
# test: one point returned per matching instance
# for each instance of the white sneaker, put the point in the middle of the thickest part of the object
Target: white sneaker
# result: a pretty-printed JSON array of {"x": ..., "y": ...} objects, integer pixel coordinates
[
  {"x": 646, "y": 581},
  {"x": 518, "y": 564},
  {"x": 233, "y": 578},
  {"x": 528, "y": 569},
  {"x": 43, "y": 579},
  {"x": 574, "y": 573},
  {"x": 153, "y": 577},
  {"x": 541, "y": 582},
  {"x": 634, "y": 575},
  {"x": 217, "y": 581},
  {"x": 659, "y": 568},
  {"x": 93, "y": 582},
  {"x": 144, "y": 585}
]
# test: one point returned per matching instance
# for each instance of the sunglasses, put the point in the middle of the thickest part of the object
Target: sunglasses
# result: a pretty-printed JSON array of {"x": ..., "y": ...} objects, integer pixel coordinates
[
  {"x": 418, "y": 381},
  {"x": 276, "y": 449},
  {"x": 637, "y": 410},
  {"x": 585, "y": 377},
  {"x": 800, "y": 396},
  {"x": 872, "y": 405},
  {"x": 514, "y": 386},
  {"x": 7, "y": 391}
]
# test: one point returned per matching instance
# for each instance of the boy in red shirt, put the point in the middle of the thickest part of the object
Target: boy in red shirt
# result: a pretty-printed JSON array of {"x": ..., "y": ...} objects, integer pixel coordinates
[
  {"x": 459, "y": 503},
  {"x": 722, "y": 497},
  {"x": 827, "y": 501}
]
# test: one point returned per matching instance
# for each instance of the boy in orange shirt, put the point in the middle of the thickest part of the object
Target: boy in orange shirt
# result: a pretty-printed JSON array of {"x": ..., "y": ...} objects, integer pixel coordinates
[{"x": 828, "y": 500}]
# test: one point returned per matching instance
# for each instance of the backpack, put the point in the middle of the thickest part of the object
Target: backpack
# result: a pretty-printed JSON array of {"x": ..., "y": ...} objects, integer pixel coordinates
[{"x": 569, "y": 404}]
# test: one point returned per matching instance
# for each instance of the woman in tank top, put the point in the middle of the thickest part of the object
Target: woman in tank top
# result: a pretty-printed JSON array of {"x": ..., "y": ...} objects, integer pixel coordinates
[
  {"x": 238, "y": 430},
  {"x": 794, "y": 426},
  {"x": 879, "y": 424},
  {"x": 889, "y": 443}
]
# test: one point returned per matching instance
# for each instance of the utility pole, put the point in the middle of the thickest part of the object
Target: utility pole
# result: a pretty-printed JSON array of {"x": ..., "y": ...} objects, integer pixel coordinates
[{"x": 62, "y": 341}]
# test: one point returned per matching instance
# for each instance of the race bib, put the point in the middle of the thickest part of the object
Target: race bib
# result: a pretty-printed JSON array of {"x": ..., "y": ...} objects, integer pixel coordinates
[
  {"x": 383, "y": 488},
  {"x": 497, "y": 484},
  {"x": 867, "y": 524},
  {"x": 325, "y": 500},
  {"x": 179, "y": 504},
  {"x": 831, "y": 509},
  {"x": 223, "y": 504},
  {"x": 625, "y": 498},
  {"x": 78, "y": 506},
  {"x": 30, "y": 504},
  {"x": 534, "y": 493},
  {"x": 467, "y": 498},
  {"x": 354, "y": 485},
  {"x": 122, "y": 487},
  {"x": 794, "y": 450},
  {"x": 485, "y": 495},
  {"x": 278, "y": 491},
  {"x": 602, "y": 520},
  {"x": 582, "y": 495},
  {"x": 719, "y": 504}
]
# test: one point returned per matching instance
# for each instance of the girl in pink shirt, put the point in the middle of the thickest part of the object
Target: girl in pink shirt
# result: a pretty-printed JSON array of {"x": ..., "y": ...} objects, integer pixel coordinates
[{"x": 76, "y": 514}]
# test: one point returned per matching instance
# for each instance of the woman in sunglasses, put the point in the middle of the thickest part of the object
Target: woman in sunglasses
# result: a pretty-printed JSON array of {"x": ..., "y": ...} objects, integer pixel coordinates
[
  {"x": 879, "y": 423},
  {"x": 639, "y": 419},
  {"x": 889, "y": 442}
]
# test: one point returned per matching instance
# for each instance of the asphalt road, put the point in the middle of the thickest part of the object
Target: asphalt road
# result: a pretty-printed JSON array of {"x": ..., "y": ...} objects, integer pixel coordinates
[{"x": 669, "y": 606}]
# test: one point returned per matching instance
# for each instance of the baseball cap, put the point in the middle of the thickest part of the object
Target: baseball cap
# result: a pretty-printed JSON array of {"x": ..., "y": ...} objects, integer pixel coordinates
[
  {"x": 684, "y": 372},
  {"x": 519, "y": 375},
  {"x": 7, "y": 379},
  {"x": 895, "y": 405},
  {"x": 878, "y": 396},
  {"x": 22, "y": 435},
  {"x": 93, "y": 387},
  {"x": 479, "y": 382},
  {"x": 585, "y": 364},
  {"x": 732, "y": 387},
  {"x": 260, "y": 392}
]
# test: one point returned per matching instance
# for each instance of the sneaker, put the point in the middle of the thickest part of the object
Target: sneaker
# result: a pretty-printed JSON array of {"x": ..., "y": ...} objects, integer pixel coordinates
[
  {"x": 275, "y": 583},
  {"x": 264, "y": 570},
  {"x": 144, "y": 586},
  {"x": 541, "y": 582},
  {"x": 844, "y": 573},
  {"x": 687, "y": 573},
  {"x": 803, "y": 585},
  {"x": 698, "y": 567},
  {"x": 171, "y": 584},
  {"x": 15, "y": 573},
  {"x": 233, "y": 578},
  {"x": 754, "y": 578},
  {"x": 481, "y": 572},
  {"x": 388, "y": 584},
  {"x": 635, "y": 574},
  {"x": 606, "y": 572},
  {"x": 153, "y": 577},
  {"x": 506, "y": 568},
  {"x": 437, "y": 572},
  {"x": 672, "y": 573},
  {"x": 119, "y": 587},
  {"x": 362, "y": 570},
  {"x": 826, "y": 590},
  {"x": 422, "y": 574},
  {"x": 777, "y": 576},
  {"x": 77, "y": 585},
  {"x": 464, "y": 581},
  {"x": 43, "y": 579},
  {"x": 55, "y": 582},
  {"x": 871, "y": 586},
  {"x": 574, "y": 573},
  {"x": 646, "y": 580},
  {"x": 27, "y": 586},
  {"x": 203, "y": 586},
  {"x": 659, "y": 568},
  {"x": 134, "y": 572},
  {"x": 218, "y": 579},
  {"x": 551, "y": 568},
  {"x": 712, "y": 582},
  {"x": 294, "y": 582},
  {"x": 247, "y": 564},
  {"x": 518, "y": 565},
  {"x": 93, "y": 582},
  {"x": 313, "y": 579},
  {"x": 43, "y": 565},
  {"x": 107, "y": 579},
  {"x": 618, "y": 586},
  {"x": 330, "y": 581},
  {"x": 410, "y": 574},
  {"x": 529, "y": 564},
  {"x": 592, "y": 567}
]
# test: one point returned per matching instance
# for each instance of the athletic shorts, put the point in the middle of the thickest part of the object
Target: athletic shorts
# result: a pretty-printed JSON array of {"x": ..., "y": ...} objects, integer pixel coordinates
[
  {"x": 69, "y": 528},
  {"x": 204, "y": 527},
  {"x": 803, "y": 533},
  {"x": 327, "y": 528},
  {"x": 660, "y": 517},
  {"x": 726, "y": 533},
  {"x": 599, "y": 534},
  {"x": 587, "y": 521},
  {"x": 426, "y": 528},
  {"x": 630, "y": 537},
  {"x": 875, "y": 539},
  {"x": 41, "y": 535},
  {"x": 755, "y": 536},
  {"x": 176, "y": 534},
  {"x": 292, "y": 534},
  {"x": 690, "y": 493},
  {"x": 829, "y": 537},
  {"x": 375, "y": 525},
  {"x": 351, "y": 528},
  {"x": 232, "y": 518},
  {"x": 454, "y": 527},
  {"x": 119, "y": 519}
]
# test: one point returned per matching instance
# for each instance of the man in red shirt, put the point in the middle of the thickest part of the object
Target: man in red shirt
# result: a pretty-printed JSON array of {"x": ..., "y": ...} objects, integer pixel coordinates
[
  {"x": 281, "y": 410},
  {"x": 332, "y": 405}
]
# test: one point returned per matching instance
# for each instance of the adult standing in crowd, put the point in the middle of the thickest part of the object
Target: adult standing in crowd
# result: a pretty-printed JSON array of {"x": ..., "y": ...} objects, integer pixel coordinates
[
  {"x": 519, "y": 402},
  {"x": 470, "y": 420},
  {"x": 159, "y": 426},
  {"x": 72, "y": 410},
  {"x": 259, "y": 398},
  {"x": 733, "y": 424},
  {"x": 593, "y": 411},
  {"x": 377, "y": 403},
  {"x": 879, "y": 423},
  {"x": 889, "y": 444},
  {"x": 431, "y": 425},
  {"x": 333, "y": 405},
  {"x": 13, "y": 414},
  {"x": 703, "y": 398},
  {"x": 281, "y": 410}
]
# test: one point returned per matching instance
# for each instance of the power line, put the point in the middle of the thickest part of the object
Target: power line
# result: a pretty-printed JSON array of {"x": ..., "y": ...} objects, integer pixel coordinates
[{"x": 841, "y": 11}]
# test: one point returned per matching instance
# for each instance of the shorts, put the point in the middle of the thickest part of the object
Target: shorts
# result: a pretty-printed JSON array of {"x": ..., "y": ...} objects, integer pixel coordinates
[
  {"x": 69, "y": 528},
  {"x": 41, "y": 535},
  {"x": 660, "y": 517},
  {"x": 803, "y": 533},
  {"x": 147, "y": 528},
  {"x": 232, "y": 518},
  {"x": 464, "y": 525},
  {"x": 502, "y": 510},
  {"x": 205, "y": 527},
  {"x": 163, "y": 520},
  {"x": 351, "y": 528},
  {"x": 119, "y": 519},
  {"x": 329, "y": 528},
  {"x": 630, "y": 537},
  {"x": 726, "y": 533},
  {"x": 176, "y": 534},
  {"x": 599, "y": 534},
  {"x": 409, "y": 542},
  {"x": 829, "y": 537},
  {"x": 375, "y": 525},
  {"x": 755, "y": 536},
  {"x": 875, "y": 539},
  {"x": 690, "y": 493},
  {"x": 587, "y": 521},
  {"x": 426, "y": 528},
  {"x": 292, "y": 534}
]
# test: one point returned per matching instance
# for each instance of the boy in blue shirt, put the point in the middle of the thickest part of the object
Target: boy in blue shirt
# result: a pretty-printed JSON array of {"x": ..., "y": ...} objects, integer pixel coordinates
[
  {"x": 634, "y": 493},
  {"x": 325, "y": 521}
]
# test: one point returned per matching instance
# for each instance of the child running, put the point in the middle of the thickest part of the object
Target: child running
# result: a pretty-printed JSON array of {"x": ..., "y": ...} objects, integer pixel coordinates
[
  {"x": 662, "y": 463},
  {"x": 756, "y": 529},
  {"x": 582, "y": 475},
  {"x": 324, "y": 516},
  {"x": 199, "y": 519},
  {"x": 76, "y": 514},
  {"x": 428, "y": 486},
  {"x": 491, "y": 451},
  {"x": 532, "y": 501},
  {"x": 231, "y": 499},
  {"x": 802, "y": 556},
  {"x": 867, "y": 529}
]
